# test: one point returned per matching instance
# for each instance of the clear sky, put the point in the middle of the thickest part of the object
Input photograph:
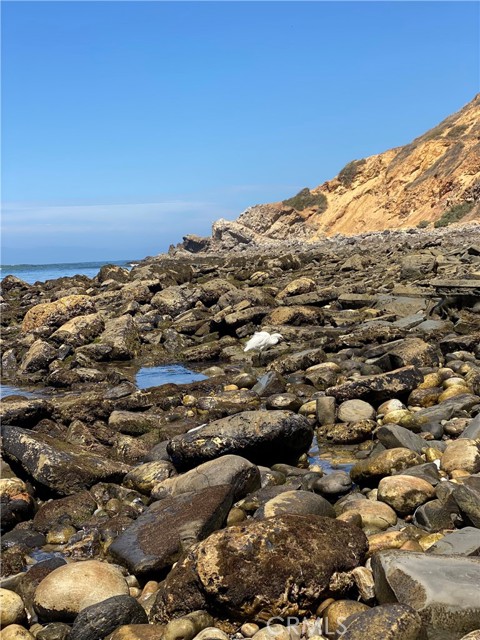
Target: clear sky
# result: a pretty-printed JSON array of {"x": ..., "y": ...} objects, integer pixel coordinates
[{"x": 128, "y": 124}]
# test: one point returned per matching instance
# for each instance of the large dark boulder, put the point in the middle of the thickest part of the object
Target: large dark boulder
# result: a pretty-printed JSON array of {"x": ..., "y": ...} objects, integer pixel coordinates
[
  {"x": 24, "y": 412},
  {"x": 260, "y": 436},
  {"x": 62, "y": 467},
  {"x": 278, "y": 566},
  {"x": 379, "y": 387},
  {"x": 161, "y": 534}
]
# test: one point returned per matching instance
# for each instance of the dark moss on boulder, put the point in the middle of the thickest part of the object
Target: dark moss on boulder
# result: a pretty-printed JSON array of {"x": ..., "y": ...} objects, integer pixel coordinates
[
  {"x": 259, "y": 436},
  {"x": 278, "y": 566}
]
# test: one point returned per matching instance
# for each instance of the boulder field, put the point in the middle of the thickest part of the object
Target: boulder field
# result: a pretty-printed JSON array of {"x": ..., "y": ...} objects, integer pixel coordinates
[{"x": 327, "y": 487}]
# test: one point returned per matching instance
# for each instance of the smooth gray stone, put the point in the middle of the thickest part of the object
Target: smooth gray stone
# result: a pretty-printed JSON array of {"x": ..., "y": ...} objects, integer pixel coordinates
[
  {"x": 464, "y": 542},
  {"x": 427, "y": 471},
  {"x": 239, "y": 473},
  {"x": 444, "y": 590},
  {"x": 434, "y": 516},
  {"x": 333, "y": 484},
  {"x": 408, "y": 322},
  {"x": 393, "y": 435},
  {"x": 450, "y": 408},
  {"x": 467, "y": 496},
  {"x": 473, "y": 429},
  {"x": 435, "y": 428},
  {"x": 428, "y": 326}
]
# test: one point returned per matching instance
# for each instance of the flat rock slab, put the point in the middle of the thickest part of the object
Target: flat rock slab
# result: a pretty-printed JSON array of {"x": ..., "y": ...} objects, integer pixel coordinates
[
  {"x": 277, "y": 566},
  {"x": 160, "y": 535},
  {"x": 393, "y": 435},
  {"x": 23, "y": 412},
  {"x": 237, "y": 472},
  {"x": 444, "y": 590},
  {"x": 379, "y": 387},
  {"x": 60, "y": 466},
  {"x": 464, "y": 542},
  {"x": 262, "y": 437}
]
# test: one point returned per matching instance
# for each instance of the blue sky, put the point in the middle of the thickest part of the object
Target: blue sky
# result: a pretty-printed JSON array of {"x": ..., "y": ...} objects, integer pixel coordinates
[{"x": 128, "y": 124}]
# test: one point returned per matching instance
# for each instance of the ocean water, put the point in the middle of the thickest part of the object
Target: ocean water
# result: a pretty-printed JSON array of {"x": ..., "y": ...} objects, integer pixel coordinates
[{"x": 32, "y": 273}]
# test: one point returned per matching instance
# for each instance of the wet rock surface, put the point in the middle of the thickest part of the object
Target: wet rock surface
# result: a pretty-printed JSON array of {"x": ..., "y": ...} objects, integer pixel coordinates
[
  {"x": 208, "y": 507},
  {"x": 262, "y": 569},
  {"x": 260, "y": 436},
  {"x": 183, "y": 519},
  {"x": 444, "y": 590}
]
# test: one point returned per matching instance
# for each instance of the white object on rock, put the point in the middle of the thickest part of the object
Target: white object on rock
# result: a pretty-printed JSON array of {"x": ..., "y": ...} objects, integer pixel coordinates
[{"x": 261, "y": 340}]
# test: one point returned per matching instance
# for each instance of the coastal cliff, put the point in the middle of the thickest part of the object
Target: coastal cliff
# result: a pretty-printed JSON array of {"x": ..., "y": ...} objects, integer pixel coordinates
[{"x": 434, "y": 180}]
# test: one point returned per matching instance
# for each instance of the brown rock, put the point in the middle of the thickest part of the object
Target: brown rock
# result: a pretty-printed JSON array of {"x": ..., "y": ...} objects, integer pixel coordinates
[
  {"x": 183, "y": 520},
  {"x": 54, "y": 314},
  {"x": 58, "y": 465},
  {"x": 375, "y": 515},
  {"x": 242, "y": 571},
  {"x": 404, "y": 493},
  {"x": 384, "y": 464},
  {"x": 379, "y": 387},
  {"x": 462, "y": 454},
  {"x": 73, "y": 587},
  {"x": 79, "y": 330},
  {"x": 388, "y": 622}
]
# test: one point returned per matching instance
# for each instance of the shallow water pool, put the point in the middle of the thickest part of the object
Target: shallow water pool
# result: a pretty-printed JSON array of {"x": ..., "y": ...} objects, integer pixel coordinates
[
  {"x": 7, "y": 390},
  {"x": 331, "y": 458},
  {"x": 166, "y": 374}
]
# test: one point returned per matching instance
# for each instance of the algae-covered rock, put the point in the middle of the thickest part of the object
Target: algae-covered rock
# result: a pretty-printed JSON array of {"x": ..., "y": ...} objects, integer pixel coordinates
[{"x": 277, "y": 566}]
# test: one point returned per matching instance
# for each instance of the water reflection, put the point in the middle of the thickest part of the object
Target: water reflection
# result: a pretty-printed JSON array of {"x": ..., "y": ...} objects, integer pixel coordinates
[{"x": 172, "y": 373}]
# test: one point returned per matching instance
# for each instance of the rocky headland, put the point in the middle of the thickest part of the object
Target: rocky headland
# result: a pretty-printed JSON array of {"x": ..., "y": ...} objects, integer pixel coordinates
[
  {"x": 326, "y": 487},
  {"x": 433, "y": 180}
]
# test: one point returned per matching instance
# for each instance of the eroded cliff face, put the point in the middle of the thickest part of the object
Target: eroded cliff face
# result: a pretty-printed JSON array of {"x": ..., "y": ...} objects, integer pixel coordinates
[
  {"x": 408, "y": 185},
  {"x": 437, "y": 176}
]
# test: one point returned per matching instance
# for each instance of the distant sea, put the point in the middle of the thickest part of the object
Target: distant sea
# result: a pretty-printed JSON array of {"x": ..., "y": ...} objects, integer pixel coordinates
[{"x": 32, "y": 273}]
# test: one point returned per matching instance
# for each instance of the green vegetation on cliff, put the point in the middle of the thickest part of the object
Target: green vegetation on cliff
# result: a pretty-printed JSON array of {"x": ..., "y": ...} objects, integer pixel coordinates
[
  {"x": 305, "y": 199},
  {"x": 454, "y": 214}
]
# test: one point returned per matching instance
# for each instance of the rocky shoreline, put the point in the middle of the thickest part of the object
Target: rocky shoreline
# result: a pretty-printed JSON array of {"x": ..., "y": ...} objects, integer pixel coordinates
[{"x": 203, "y": 510}]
